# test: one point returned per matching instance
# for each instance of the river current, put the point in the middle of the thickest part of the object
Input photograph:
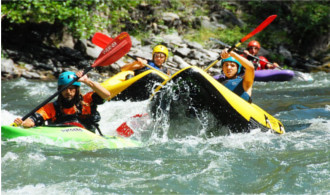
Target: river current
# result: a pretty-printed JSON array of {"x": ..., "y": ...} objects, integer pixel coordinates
[{"x": 296, "y": 162}]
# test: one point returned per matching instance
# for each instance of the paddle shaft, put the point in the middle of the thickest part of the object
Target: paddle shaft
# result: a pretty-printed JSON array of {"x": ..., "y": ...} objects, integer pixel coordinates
[
  {"x": 54, "y": 95},
  {"x": 263, "y": 25}
]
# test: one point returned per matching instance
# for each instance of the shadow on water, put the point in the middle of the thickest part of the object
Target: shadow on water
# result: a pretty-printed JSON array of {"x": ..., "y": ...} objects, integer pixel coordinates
[{"x": 297, "y": 127}]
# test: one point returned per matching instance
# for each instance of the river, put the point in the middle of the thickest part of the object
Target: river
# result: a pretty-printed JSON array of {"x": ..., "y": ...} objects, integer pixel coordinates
[{"x": 296, "y": 162}]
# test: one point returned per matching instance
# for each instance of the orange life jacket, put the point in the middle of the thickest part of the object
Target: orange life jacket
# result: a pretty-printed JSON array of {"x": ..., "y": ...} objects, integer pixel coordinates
[{"x": 78, "y": 114}]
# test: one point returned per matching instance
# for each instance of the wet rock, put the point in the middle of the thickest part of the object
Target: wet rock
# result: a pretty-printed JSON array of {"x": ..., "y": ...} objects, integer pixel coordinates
[
  {"x": 80, "y": 45},
  {"x": 183, "y": 52},
  {"x": 42, "y": 65},
  {"x": 135, "y": 42},
  {"x": 93, "y": 52},
  {"x": 67, "y": 40},
  {"x": 71, "y": 53},
  {"x": 7, "y": 66},
  {"x": 171, "y": 19},
  {"x": 285, "y": 53},
  {"x": 30, "y": 75},
  {"x": 227, "y": 17},
  {"x": 172, "y": 39},
  {"x": 194, "y": 45},
  {"x": 181, "y": 63},
  {"x": 194, "y": 54}
]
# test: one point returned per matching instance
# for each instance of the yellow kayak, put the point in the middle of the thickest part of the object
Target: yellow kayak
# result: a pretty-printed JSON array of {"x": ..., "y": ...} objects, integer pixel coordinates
[
  {"x": 127, "y": 86},
  {"x": 193, "y": 91}
]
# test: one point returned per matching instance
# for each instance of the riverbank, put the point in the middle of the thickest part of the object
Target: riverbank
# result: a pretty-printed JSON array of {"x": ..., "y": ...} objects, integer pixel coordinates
[
  {"x": 43, "y": 50},
  {"x": 28, "y": 56}
]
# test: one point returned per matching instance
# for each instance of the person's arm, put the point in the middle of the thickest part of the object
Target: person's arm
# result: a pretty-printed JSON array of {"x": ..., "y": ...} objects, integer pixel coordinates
[
  {"x": 44, "y": 113},
  {"x": 101, "y": 91},
  {"x": 273, "y": 65},
  {"x": 248, "y": 77},
  {"x": 246, "y": 53},
  {"x": 135, "y": 65}
]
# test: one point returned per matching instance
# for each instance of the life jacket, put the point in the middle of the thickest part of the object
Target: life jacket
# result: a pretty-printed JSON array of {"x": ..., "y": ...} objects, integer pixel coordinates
[
  {"x": 236, "y": 86},
  {"x": 258, "y": 65},
  {"x": 87, "y": 120},
  {"x": 83, "y": 114},
  {"x": 151, "y": 63}
]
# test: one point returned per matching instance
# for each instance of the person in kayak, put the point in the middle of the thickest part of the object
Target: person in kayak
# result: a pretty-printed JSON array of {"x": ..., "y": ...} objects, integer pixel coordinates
[
  {"x": 253, "y": 49},
  {"x": 159, "y": 57},
  {"x": 231, "y": 68},
  {"x": 71, "y": 107}
]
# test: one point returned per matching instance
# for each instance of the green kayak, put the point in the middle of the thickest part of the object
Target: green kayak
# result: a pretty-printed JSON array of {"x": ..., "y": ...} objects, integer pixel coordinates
[{"x": 72, "y": 136}]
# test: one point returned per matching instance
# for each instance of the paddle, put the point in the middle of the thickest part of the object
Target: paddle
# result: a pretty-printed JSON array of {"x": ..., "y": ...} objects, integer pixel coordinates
[
  {"x": 116, "y": 49},
  {"x": 263, "y": 25},
  {"x": 125, "y": 130},
  {"x": 240, "y": 51},
  {"x": 101, "y": 39}
]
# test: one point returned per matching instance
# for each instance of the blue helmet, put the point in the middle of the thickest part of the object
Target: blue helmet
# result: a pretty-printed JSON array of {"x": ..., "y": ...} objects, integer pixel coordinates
[
  {"x": 231, "y": 59},
  {"x": 66, "y": 77}
]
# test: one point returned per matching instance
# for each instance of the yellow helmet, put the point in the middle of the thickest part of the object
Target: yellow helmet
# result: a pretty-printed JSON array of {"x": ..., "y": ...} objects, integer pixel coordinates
[{"x": 160, "y": 49}]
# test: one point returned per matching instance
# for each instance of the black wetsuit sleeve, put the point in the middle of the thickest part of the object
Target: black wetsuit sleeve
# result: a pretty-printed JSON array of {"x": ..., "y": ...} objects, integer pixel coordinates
[
  {"x": 37, "y": 119},
  {"x": 97, "y": 99}
]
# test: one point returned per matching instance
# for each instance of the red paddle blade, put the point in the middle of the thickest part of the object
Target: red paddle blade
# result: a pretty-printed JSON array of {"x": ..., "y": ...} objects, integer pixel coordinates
[
  {"x": 116, "y": 49},
  {"x": 125, "y": 130},
  {"x": 101, "y": 39},
  {"x": 263, "y": 25}
]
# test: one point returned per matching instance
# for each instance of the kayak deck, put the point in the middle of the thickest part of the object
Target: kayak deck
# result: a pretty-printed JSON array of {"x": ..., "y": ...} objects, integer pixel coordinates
[{"x": 84, "y": 139}]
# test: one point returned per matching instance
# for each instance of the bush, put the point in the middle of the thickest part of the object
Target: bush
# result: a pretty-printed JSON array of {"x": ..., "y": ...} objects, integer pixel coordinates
[{"x": 82, "y": 18}]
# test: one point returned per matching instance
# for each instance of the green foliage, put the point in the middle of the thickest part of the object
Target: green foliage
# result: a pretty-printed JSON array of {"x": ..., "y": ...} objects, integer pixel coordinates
[
  {"x": 298, "y": 22},
  {"x": 82, "y": 18},
  {"x": 310, "y": 19},
  {"x": 4, "y": 55},
  {"x": 228, "y": 5},
  {"x": 202, "y": 35},
  {"x": 273, "y": 57},
  {"x": 233, "y": 35}
]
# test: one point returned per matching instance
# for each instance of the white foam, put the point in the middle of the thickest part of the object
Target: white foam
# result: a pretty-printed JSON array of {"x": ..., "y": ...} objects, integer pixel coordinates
[
  {"x": 7, "y": 118},
  {"x": 9, "y": 156},
  {"x": 53, "y": 189},
  {"x": 114, "y": 113},
  {"x": 37, "y": 157}
]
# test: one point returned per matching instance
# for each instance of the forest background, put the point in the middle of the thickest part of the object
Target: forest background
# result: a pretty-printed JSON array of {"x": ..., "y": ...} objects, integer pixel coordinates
[{"x": 302, "y": 27}]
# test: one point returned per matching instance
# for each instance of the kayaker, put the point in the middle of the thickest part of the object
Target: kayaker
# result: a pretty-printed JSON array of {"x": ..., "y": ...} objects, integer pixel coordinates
[
  {"x": 253, "y": 48},
  {"x": 231, "y": 68},
  {"x": 71, "y": 107},
  {"x": 159, "y": 57}
]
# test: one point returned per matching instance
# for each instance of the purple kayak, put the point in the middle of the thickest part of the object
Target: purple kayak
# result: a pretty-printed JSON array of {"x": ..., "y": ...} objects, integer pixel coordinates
[
  {"x": 273, "y": 75},
  {"x": 268, "y": 75}
]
